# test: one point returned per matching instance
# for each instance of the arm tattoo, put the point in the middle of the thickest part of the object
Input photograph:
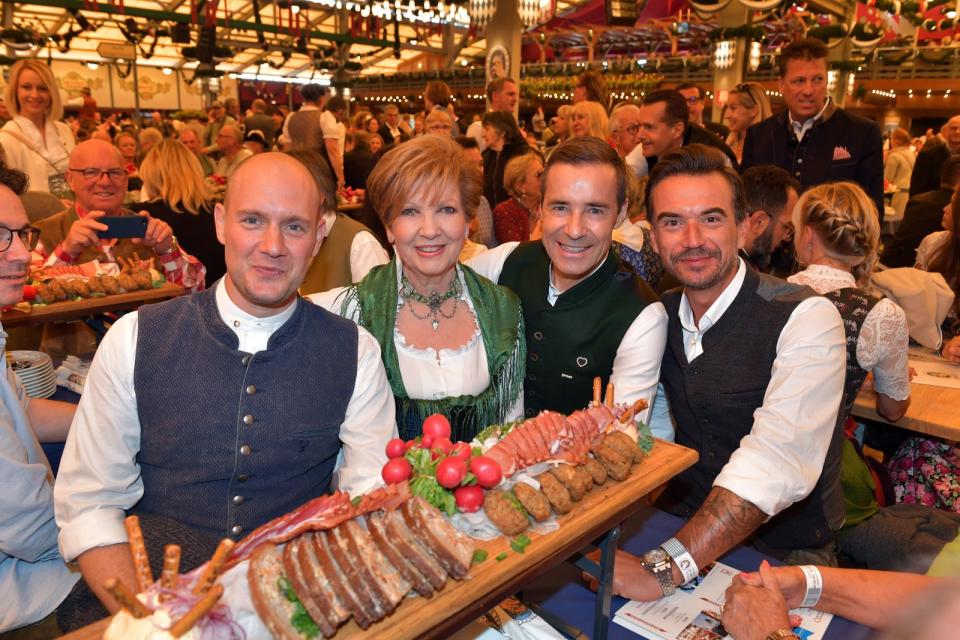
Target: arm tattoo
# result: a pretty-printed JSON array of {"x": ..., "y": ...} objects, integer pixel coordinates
[{"x": 723, "y": 521}]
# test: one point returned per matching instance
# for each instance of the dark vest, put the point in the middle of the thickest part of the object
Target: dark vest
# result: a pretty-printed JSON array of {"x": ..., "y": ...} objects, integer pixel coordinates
[
  {"x": 331, "y": 268},
  {"x": 229, "y": 439},
  {"x": 854, "y": 305},
  {"x": 575, "y": 340},
  {"x": 713, "y": 400}
]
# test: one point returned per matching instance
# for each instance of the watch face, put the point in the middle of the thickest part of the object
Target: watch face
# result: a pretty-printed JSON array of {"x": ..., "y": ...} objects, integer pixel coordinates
[{"x": 655, "y": 556}]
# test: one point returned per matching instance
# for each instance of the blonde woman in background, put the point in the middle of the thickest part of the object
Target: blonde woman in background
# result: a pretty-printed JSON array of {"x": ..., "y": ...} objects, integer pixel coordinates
[
  {"x": 181, "y": 197},
  {"x": 836, "y": 239},
  {"x": 561, "y": 126},
  {"x": 747, "y": 104},
  {"x": 517, "y": 218},
  {"x": 35, "y": 141},
  {"x": 589, "y": 118},
  {"x": 898, "y": 168}
]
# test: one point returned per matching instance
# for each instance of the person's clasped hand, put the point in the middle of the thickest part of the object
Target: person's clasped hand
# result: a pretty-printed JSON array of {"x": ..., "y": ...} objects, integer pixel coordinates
[{"x": 755, "y": 607}]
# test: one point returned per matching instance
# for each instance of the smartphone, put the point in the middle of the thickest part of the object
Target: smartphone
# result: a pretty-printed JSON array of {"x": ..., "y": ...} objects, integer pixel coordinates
[{"x": 123, "y": 227}]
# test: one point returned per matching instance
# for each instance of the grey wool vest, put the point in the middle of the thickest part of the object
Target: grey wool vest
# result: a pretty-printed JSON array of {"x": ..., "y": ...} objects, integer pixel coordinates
[
  {"x": 231, "y": 440},
  {"x": 713, "y": 400}
]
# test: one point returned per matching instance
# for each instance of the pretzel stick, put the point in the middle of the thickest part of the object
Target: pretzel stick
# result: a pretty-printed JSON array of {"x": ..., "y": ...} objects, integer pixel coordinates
[
  {"x": 141, "y": 562},
  {"x": 639, "y": 405},
  {"x": 121, "y": 593},
  {"x": 213, "y": 568},
  {"x": 171, "y": 566},
  {"x": 596, "y": 390},
  {"x": 609, "y": 399},
  {"x": 197, "y": 611}
]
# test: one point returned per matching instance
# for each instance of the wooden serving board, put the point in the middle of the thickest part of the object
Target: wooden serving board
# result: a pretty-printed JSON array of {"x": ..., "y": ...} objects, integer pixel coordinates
[
  {"x": 458, "y": 603},
  {"x": 77, "y": 309}
]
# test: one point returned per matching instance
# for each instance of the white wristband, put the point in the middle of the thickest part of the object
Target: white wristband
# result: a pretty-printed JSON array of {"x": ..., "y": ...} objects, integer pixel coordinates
[
  {"x": 682, "y": 558},
  {"x": 814, "y": 586}
]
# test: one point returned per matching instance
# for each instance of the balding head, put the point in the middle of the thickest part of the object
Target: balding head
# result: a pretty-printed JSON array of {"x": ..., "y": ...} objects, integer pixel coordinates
[
  {"x": 271, "y": 228},
  {"x": 951, "y": 132},
  {"x": 103, "y": 193}
]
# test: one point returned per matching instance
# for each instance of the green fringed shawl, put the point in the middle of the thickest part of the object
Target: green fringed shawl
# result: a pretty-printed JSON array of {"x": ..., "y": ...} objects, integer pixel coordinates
[{"x": 501, "y": 327}]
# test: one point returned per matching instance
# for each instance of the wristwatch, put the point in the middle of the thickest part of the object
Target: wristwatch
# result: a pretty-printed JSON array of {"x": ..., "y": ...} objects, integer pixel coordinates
[
  {"x": 781, "y": 634},
  {"x": 658, "y": 562}
]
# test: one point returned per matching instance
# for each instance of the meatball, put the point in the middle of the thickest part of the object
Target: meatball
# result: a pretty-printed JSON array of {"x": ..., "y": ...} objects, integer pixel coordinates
[
  {"x": 624, "y": 444},
  {"x": 506, "y": 512},
  {"x": 533, "y": 501},
  {"x": 595, "y": 469},
  {"x": 614, "y": 463},
  {"x": 572, "y": 481},
  {"x": 556, "y": 493}
]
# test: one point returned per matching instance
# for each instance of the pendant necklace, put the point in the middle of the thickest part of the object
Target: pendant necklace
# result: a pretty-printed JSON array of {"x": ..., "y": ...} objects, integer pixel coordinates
[{"x": 434, "y": 301}]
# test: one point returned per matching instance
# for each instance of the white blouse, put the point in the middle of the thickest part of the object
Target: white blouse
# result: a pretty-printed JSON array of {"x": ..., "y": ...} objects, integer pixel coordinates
[
  {"x": 431, "y": 374},
  {"x": 929, "y": 246},
  {"x": 882, "y": 345}
]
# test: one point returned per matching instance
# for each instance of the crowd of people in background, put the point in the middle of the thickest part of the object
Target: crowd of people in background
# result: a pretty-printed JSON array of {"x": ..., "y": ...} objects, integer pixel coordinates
[{"x": 605, "y": 202}]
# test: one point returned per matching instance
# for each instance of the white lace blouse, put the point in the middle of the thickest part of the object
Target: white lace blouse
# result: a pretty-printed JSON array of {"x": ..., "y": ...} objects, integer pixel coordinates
[
  {"x": 882, "y": 345},
  {"x": 431, "y": 374}
]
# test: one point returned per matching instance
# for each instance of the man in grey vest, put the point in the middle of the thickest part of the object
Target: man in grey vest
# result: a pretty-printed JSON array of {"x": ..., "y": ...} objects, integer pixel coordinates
[
  {"x": 585, "y": 312},
  {"x": 754, "y": 371},
  {"x": 221, "y": 411}
]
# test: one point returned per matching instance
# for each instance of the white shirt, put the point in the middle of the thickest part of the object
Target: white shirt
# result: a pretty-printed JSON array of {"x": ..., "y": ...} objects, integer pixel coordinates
[
  {"x": 884, "y": 337},
  {"x": 800, "y": 128},
  {"x": 929, "y": 247},
  {"x": 99, "y": 477},
  {"x": 225, "y": 166},
  {"x": 779, "y": 462},
  {"x": 637, "y": 161},
  {"x": 366, "y": 252},
  {"x": 475, "y": 131},
  {"x": 636, "y": 366},
  {"x": 430, "y": 374}
]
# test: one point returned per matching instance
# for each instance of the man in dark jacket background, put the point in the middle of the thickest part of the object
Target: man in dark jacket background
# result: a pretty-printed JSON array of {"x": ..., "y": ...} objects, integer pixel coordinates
[
  {"x": 926, "y": 171},
  {"x": 664, "y": 127},
  {"x": 813, "y": 138}
]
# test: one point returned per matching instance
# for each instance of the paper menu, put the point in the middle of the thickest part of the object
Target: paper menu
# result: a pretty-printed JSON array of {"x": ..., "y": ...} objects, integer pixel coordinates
[{"x": 693, "y": 612}]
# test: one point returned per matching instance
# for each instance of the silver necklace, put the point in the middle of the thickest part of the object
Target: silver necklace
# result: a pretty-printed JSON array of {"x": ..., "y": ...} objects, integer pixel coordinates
[{"x": 434, "y": 301}]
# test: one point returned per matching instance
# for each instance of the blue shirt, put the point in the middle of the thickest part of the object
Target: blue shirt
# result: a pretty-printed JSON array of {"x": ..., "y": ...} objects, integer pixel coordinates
[{"x": 34, "y": 580}]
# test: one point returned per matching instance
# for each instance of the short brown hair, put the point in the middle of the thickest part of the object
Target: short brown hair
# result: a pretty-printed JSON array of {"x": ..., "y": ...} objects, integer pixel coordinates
[
  {"x": 428, "y": 164},
  {"x": 805, "y": 49},
  {"x": 319, "y": 168},
  {"x": 497, "y": 85},
  {"x": 595, "y": 85},
  {"x": 697, "y": 160},
  {"x": 437, "y": 92},
  {"x": 588, "y": 151}
]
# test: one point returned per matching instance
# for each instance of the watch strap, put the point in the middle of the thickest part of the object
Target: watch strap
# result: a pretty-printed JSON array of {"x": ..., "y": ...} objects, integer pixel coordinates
[
  {"x": 681, "y": 558},
  {"x": 664, "y": 576},
  {"x": 781, "y": 634}
]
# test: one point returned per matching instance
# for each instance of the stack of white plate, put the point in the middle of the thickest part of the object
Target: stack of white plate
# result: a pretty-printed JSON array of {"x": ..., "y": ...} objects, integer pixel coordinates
[{"x": 35, "y": 370}]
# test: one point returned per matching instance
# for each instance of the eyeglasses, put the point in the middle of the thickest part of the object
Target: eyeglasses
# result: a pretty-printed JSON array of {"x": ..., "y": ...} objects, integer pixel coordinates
[
  {"x": 92, "y": 173},
  {"x": 745, "y": 89},
  {"x": 693, "y": 99},
  {"x": 788, "y": 229},
  {"x": 29, "y": 236}
]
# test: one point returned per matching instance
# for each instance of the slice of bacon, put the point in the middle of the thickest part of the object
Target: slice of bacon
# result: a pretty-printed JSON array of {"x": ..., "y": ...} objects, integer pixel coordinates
[{"x": 325, "y": 512}]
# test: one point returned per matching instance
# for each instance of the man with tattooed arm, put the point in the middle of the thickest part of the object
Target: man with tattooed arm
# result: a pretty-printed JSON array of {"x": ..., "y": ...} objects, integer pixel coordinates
[{"x": 754, "y": 371}]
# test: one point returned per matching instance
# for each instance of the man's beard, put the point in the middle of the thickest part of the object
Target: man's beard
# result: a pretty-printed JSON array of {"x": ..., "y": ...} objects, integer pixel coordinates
[
  {"x": 762, "y": 249},
  {"x": 722, "y": 272}
]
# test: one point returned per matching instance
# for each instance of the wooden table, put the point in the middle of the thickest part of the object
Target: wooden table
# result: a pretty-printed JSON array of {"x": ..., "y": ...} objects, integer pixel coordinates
[
  {"x": 75, "y": 310},
  {"x": 490, "y": 582},
  {"x": 934, "y": 411}
]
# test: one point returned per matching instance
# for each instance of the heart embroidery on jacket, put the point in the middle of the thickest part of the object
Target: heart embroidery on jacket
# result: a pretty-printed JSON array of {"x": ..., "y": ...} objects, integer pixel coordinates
[{"x": 581, "y": 362}]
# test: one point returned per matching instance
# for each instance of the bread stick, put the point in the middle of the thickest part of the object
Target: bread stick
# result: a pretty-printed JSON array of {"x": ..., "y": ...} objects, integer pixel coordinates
[
  {"x": 171, "y": 566},
  {"x": 141, "y": 561},
  {"x": 197, "y": 611},
  {"x": 121, "y": 593},
  {"x": 213, "y": 568},
  {"x": 609, "y": 399},
  {"x": 596, "y": 390}
]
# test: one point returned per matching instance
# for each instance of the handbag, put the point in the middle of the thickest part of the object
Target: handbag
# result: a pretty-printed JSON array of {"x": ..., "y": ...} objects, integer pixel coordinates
[{"x": 925, "y": 298}]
